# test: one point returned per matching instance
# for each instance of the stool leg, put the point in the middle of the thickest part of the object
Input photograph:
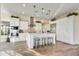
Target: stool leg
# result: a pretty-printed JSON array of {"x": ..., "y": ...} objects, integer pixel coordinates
[
  {"x": 48, "y": 41},
  {"x": 38, "y": 41},
  {"x": 45, "y": 42},
  {"x": 34, "y": 43},
  {"x": 52, "y": 41},
  {"x": 42, "y": 42}
]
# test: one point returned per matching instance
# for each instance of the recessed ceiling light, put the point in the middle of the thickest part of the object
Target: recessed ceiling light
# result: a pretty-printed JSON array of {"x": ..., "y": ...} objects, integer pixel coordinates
[
  {"x": 23, "y": 5},
  {"x": 22, "y": 12},
  {"x": 43, "y": 10}
]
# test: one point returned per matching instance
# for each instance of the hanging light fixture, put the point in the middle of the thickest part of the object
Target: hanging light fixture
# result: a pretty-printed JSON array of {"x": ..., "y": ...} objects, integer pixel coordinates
[
  {"x": 34, "y": 9},
  {"x": 43, "y": 10},
  {"x": 34, "y": 6},
  {"x": 22, "y": 12},
  {"x": 48, "y": 13}
]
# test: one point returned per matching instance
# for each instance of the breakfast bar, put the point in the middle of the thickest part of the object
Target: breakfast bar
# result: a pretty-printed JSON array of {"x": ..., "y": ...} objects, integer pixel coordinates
[{"x": 36, "y": 40}]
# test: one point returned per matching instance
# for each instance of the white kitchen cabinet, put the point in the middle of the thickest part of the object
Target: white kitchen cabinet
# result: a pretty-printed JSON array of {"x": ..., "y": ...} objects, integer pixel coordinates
[
  {"x": 22, "y": 37},
  {"x": 67, "y": 30},
  {"x": 14, "y": 30},
  {"x": 14, "y": 22},
  {"x": 23, "y": 25},
  {"x": 14, "y": 39},
  {"x": 3, "y": 38}
]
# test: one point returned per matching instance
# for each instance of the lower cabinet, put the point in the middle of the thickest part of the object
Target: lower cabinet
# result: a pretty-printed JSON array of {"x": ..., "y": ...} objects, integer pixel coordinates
[{"x": 3, "y": 38}]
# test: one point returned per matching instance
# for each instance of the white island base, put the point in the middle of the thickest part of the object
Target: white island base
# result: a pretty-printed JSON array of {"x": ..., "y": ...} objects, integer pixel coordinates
[{"x": 37, "y": 39}]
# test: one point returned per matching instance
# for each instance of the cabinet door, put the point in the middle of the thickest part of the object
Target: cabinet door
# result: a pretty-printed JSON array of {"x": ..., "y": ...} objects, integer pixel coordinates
[
  {"x": 22, "y": 36},
  {"x": 3, "y": 38},
  {"x": 23, "y": 25},
  {"x": 14, "y": 22}
]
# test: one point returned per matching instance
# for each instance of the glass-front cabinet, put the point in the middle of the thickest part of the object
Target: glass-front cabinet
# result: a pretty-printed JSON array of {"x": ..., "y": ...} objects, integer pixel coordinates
[
  {"x": 53, "y": 28},
  {"x": 5, "y": 28},
  {"x": 4, "y": 31}
]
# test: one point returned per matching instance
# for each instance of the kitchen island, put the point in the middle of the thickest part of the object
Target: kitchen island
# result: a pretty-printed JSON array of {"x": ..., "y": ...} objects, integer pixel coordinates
[{"x": 35, "y": 40}]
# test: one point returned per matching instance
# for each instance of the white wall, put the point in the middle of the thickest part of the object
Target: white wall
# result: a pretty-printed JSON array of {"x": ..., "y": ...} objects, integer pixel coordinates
[
  {"x": 76, "y": 29},
  {"x": 68, "y": 30},
  {"x": 0, "y": 31},
  {"x": 0, "y": 12},
  {"x": 65, "y": 30},
  {"x": 4, "y": 16},
  {"x": 0, "y": 22}
]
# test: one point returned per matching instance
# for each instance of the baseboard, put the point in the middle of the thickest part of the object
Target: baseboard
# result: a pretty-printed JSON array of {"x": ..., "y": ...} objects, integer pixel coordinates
[
  {"x": 66, "y": 42},
  {"x": 77, "y": 42}
]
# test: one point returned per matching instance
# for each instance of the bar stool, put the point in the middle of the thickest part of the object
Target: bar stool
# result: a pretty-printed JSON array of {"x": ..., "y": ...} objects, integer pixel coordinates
[
  {"x": 50, "y": 40},
  {"x": 36, "y": 42},
  {"x": 47, "y": 40},
  {"x": 43, "y": 41}
]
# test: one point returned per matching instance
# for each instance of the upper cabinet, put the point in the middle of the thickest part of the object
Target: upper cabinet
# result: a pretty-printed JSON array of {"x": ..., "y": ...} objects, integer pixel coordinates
[
  {"x": 53, "y": 28},
  {"x": 23, "y": 25},
  {"x": 14, "y": 22}
]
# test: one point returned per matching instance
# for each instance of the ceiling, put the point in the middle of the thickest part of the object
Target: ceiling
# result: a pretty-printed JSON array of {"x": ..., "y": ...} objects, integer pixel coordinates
[{"x": 41, "y": 10}]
